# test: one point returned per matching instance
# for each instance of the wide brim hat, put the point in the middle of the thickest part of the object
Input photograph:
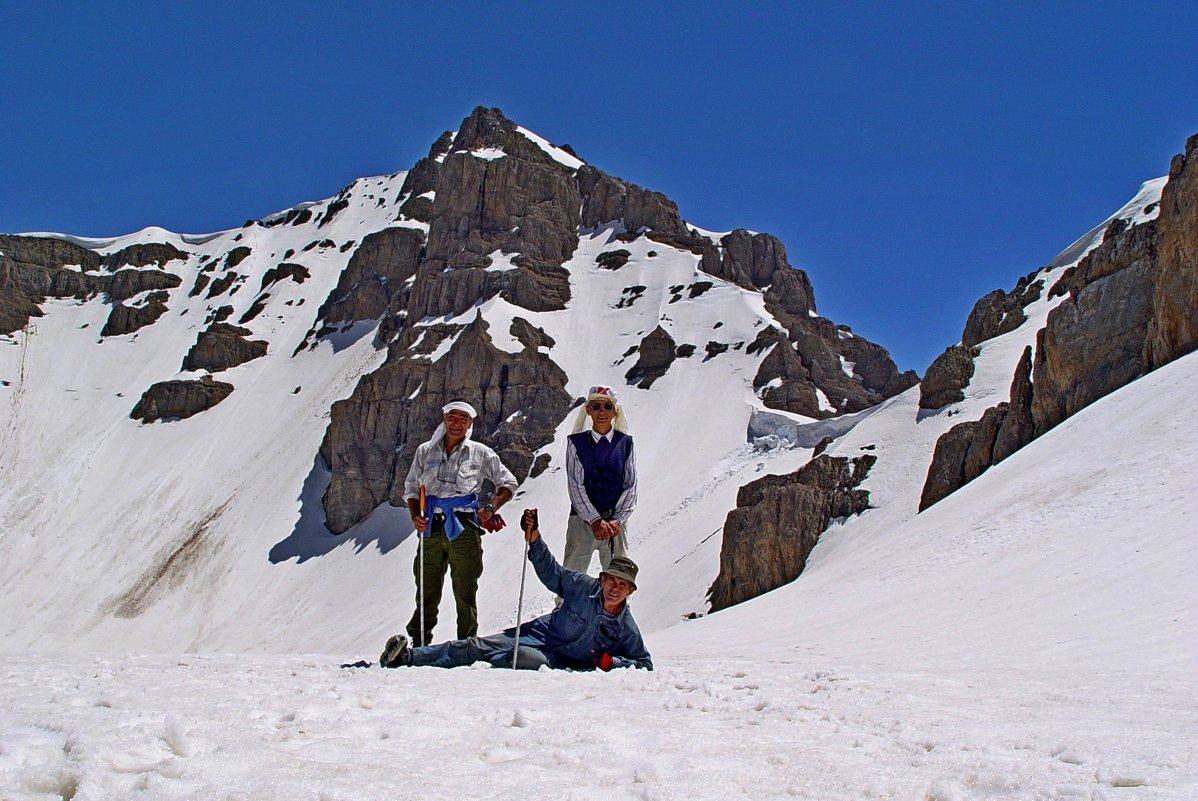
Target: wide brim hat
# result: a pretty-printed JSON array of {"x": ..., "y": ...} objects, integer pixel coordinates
[{"x": 622, "y": 567}]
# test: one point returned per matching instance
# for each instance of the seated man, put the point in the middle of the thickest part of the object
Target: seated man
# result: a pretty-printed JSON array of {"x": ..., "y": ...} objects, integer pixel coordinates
[{"x": 593, "y": 628}]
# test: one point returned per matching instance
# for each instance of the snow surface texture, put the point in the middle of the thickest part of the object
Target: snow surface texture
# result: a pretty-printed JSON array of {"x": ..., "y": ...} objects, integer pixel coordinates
[{"x": 1030, "y": 637}]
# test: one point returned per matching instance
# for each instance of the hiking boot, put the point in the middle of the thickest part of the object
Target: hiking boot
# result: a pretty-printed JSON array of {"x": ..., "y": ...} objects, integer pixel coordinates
[{"x": 396, "y": 653}]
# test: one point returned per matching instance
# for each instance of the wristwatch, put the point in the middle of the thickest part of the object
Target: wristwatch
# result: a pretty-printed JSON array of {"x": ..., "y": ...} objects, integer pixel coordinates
[{"x": 488, "y": 507}]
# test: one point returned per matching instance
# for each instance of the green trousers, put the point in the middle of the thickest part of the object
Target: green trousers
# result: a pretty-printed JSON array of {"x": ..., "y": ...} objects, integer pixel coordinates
[{"x": 463, "y": 557}]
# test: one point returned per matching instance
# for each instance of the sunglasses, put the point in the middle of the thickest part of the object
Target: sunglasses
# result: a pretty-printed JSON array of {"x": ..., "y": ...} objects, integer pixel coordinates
[{"x": 606, "y": 407}]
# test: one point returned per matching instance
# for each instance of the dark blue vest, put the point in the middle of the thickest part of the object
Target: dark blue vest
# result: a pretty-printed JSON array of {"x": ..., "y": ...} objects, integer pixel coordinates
[{"x": 603, "y": 468}]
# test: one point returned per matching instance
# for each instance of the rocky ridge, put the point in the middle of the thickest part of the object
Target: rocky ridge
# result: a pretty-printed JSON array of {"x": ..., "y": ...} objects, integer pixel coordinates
[{"x": 1129, "y": 306}]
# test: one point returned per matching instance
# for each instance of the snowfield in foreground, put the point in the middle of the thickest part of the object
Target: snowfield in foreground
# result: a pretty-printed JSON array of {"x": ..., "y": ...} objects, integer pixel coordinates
[{"x": 1034, "y": 636}]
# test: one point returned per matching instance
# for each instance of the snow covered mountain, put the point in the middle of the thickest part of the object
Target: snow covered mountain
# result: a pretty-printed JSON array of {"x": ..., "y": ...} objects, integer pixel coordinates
[
  {"x": 280, "y": 376},
  {"x": 1031, "y": 635}
]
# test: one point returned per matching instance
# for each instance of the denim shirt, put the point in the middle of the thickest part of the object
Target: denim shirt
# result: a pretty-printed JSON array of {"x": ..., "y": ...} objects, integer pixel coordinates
[{"x": 571, "y": 635}]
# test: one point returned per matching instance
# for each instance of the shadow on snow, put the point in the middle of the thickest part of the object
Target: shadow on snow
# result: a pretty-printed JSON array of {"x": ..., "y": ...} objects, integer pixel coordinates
[{"x": 387, "y": 526}]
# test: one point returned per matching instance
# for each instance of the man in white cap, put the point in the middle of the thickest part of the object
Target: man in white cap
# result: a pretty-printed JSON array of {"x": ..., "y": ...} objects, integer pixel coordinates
[
  {"x": 601, "y": 476},
  {"x": 450, "y": 469}
]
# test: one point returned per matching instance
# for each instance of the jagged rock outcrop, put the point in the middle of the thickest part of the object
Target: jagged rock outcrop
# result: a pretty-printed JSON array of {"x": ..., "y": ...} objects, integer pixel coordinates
[
  {"x": 373, "y": 434},
  {"x": 222, "y": 346},
  {"x": 1173, "y": 331},
  {"x": 48, "y": 252},
  {"x": 528, "y": 336},
  {"x": 656, "y": 353},
  {"x": 283, "y": 271},
  {"x": 752, "y": 260},
  {"x": 999, "y": 312},
  {"x": 125, "y": 284},
  {"x": 778, "y": 519},
  {"x": 376, "y": 278},
  {"x": 33, "y": 269},
  {"x": 851, "y": 372},
  {"x": 1095, "y": 341},
  {"x": 613, "y": 259},
  {"x": 522, "y": 202},
  {"x": 1132, "y": 306},
  {"x": 236, "y": 256},
  {"x": 168, "y": 400},
  {"x": 607, "y": 199},
  {"x": 969, "y": 449},
  {"x": 962, "y": 454},
  {"x": 151, "y": 254},
  {"x": 126, "y": 319},
  {"x": 947, "y": 377}
]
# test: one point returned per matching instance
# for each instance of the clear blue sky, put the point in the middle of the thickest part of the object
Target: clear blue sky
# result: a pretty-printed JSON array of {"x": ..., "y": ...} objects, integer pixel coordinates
[{"x": 911, "y": 157}]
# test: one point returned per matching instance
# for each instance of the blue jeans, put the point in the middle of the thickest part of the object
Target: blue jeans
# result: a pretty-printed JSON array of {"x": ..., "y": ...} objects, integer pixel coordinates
[{"x": 496, "y": 649}]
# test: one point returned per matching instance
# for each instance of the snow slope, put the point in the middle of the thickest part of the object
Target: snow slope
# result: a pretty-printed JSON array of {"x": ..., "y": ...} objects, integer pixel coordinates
[{"x": 1031, "y": 637}]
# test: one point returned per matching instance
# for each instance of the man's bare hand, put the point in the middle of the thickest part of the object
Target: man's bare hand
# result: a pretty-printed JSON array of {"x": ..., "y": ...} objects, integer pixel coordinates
[{"x": 530, "y": 525}]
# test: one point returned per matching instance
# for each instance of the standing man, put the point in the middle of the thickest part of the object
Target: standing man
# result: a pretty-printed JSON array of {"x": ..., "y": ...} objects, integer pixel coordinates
[
  {"x": 450, "y": 468},
  {"x": 601, "y": 475}
]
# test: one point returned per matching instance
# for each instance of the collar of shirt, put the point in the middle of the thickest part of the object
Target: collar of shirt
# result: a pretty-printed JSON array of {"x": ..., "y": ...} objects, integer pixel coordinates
[{"x": 596, "y": 436}]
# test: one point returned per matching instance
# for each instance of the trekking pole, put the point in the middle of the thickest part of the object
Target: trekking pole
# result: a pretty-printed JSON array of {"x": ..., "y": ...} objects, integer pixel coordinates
[
  {"x": 420, "y": 558},
  {"x": 520, "y": 604}
]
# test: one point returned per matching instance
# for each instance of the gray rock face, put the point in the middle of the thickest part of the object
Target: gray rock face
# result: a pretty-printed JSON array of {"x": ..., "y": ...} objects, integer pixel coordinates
[
  {"x": 222, "y": 346},
  {"x": 1017, "y": 428},
  {"x": 296, "y": 272},
  {"x": 36, "y": 268},
  {"x": 962, "y": 454},
  {"x": 779, "y": 519},
  {"x": 1093, "y": 343},
  {"x": 1173, "y": 331},
  {"x": 124, "y": 319},
  {"x": 179, "y": 399},
  {"x": 657, "y": 352},
  {"x": 969, "y": 449},
  {"x": 751, "y": 260},
  {"x": 46, "y": 252},
  {"x": 375, "y": 280},
  {"x": 1132, "y": 306},
  {"x": 947, "y": 377},
  {"x": 125, "y": 284},
  {"x": 999, "y": 313},
  {"x": 820, "y": 350},
  {"x": 528, "y": 336},
  {"x": 607, "y": 199},
  {"x": 373, "y": 434},
  {"x": 153, "y": 254}
]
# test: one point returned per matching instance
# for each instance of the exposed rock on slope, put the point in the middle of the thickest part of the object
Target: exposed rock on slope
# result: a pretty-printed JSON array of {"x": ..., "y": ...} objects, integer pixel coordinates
[
  {"x": 179, "y": 399},
  {"x": 654, "y": 357},
  {"x": 1132, "y": 306},
  {"x": 222, "y": 346},
  {"x": 779, "y": 519},
  {"x": 373, "y": 435},
  {"x": 849, "y": 372},
  {"x": 127, "y": 319},
  {"x": 1173, "y": 331},
  {"x": 946, "y": 378},
  {"x": 33, "y": 269}
]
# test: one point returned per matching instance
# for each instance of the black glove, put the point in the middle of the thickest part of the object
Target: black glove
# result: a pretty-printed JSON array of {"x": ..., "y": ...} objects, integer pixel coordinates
[{"x": 529, "y": 521}]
